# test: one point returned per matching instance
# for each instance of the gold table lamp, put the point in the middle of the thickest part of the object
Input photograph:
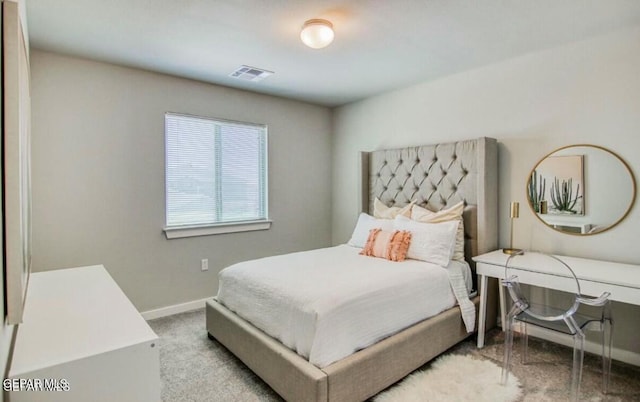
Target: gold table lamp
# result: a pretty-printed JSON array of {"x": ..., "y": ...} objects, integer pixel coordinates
[{"x": 515, "y": 213}]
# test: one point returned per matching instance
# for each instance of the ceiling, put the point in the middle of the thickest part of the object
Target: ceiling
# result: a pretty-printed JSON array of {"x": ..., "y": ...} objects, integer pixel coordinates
[{"x": 380, "y": 45}]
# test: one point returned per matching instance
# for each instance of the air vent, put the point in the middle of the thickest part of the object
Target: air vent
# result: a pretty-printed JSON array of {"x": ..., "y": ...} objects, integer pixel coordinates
[{"x": 249, "y": 73}]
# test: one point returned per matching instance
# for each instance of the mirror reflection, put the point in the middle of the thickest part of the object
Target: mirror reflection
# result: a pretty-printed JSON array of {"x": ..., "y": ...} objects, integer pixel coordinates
[{"x": 581, "y": 189}]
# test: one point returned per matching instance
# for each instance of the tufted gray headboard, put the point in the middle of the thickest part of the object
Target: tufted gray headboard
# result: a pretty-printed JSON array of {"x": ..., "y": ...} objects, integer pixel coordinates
[{"x": 439, "y": 176}]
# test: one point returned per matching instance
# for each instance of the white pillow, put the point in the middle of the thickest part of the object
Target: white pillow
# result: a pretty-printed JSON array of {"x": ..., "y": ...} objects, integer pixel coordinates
[
  {"x": 444, "y": 215},
  {"x": 381, "y": 211},
  {"x": 363, "y": 227},
  {"x": 430, "y": 242}
]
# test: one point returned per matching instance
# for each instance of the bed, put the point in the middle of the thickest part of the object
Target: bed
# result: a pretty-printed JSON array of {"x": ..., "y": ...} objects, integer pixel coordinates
[{"x": 435, "y": 176}]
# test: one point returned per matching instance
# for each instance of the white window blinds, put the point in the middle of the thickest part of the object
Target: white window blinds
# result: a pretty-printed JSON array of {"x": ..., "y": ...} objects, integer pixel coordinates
[{"x": 216, "y": 171}]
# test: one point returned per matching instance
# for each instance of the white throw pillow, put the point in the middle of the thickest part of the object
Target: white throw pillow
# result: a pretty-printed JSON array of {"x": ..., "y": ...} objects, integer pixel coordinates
[
  {"x": 381, "y": 211},
  {"x": 444, "y": 215},
  {"x": 364, "y": 225},
  {"x": 430, "y": 242}
]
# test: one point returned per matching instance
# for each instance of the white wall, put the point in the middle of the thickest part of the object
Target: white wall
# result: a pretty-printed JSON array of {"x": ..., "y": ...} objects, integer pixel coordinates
[
  {"x": 585, "y": 92},
  {"x": 98, "y": 176}
]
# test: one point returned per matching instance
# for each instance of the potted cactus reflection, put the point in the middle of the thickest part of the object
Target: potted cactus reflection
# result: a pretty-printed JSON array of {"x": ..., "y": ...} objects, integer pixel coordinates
[
  {"x": 536, "y": 190},
  {"x": 562, "y": 195}
]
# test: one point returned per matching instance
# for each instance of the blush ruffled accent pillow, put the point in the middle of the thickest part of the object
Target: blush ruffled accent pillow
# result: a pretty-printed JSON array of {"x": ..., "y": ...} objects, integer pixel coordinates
[{"x": 390, "y": 244}]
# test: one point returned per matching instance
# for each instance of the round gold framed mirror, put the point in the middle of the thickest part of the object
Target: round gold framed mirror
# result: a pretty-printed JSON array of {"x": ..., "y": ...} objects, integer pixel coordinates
[{"x": 581, "y": 189}]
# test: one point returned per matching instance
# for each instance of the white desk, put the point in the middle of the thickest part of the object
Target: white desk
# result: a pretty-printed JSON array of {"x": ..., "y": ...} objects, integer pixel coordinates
[
  {"x": 621, "y": 280},
  {"x": 580, "y": 224}
]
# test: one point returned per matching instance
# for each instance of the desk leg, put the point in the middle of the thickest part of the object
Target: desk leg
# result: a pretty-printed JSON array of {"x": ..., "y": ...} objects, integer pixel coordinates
[
  {"x": 503, "y": 309},
  {"x": 482, "y": 311}
]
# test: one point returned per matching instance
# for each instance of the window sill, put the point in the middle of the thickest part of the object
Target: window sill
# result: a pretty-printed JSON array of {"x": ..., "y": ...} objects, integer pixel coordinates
[{"x": 214, "y": 229}]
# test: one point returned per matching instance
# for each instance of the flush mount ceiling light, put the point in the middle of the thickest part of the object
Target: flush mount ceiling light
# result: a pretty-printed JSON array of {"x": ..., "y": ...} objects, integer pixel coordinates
[{"x": 317, "y": 33}]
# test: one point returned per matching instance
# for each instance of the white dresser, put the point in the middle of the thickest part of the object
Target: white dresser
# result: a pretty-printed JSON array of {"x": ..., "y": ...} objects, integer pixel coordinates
[{"x": 79, "y": 326}]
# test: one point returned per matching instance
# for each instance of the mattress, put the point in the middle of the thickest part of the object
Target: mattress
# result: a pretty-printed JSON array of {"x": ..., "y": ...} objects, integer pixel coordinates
[{"x": 328, "y": 303}]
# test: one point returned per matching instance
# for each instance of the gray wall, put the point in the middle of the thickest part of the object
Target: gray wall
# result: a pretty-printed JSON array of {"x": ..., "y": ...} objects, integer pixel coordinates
[
  {"x": 98, "y": 176},
  {"x": 585, "y": 92}
]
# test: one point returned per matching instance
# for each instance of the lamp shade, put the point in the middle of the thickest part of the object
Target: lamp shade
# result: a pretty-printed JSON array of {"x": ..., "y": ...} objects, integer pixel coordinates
[{"x": 317, "y": 33}]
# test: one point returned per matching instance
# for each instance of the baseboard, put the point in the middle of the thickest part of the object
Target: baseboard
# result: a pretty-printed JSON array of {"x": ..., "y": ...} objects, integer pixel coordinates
[
  {"x": 589, "y": 346},
  {"x": 175, "y": 309}
]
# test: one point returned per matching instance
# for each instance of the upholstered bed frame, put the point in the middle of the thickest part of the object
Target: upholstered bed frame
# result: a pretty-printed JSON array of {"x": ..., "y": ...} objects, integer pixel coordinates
[{"x": 436, "y": 176}]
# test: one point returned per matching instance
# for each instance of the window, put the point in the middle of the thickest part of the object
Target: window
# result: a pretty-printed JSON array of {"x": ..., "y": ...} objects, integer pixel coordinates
[{"x": 216, "y": 176}]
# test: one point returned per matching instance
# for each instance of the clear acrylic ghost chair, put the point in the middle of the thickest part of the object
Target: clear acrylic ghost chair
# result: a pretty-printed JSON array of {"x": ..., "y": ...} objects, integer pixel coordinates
[{"x": 524, "y": 282}]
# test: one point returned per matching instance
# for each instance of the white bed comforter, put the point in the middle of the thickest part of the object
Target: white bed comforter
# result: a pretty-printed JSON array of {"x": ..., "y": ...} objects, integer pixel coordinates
[{"x": 328, "y": 303}]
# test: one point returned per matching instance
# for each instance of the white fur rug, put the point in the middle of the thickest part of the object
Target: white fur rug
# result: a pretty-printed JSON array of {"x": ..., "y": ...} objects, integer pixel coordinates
[{"x": 455, "y": 378}]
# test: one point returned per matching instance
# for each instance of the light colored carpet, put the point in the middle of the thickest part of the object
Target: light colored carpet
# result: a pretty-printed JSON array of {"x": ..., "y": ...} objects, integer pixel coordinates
[
  {"x": 455, "y": 378},
  {"x": 196, "y": 369}
]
